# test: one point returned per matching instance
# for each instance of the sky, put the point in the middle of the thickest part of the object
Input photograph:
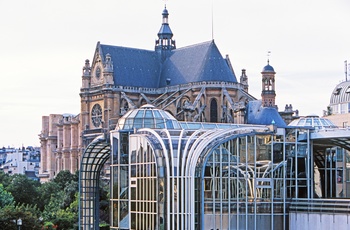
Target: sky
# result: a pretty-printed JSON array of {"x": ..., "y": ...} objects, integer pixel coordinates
[{"x": 44, "y": 45}]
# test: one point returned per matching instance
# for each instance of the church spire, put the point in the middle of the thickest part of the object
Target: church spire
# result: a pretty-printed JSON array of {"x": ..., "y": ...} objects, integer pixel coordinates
[{"x": 165, "y": 35}]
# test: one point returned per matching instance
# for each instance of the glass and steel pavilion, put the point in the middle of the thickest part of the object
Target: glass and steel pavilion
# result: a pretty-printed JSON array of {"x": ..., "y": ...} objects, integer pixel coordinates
[
  {"x": 205, "y": 176},
  {"x": 184, "y": 175}
]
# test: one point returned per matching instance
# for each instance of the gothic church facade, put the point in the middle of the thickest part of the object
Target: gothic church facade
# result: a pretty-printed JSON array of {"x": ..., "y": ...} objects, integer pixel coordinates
[{"x": 193, "y": 83}]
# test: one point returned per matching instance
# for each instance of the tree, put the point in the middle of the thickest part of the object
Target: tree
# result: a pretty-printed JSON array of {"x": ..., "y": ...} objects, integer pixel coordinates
[
  {"x": 104, "y": 201},
  {"x": 63, "y": 218},
  {"x": 29, "y": 215},
  {"x": 23, "y": 189},
  {"x": 5, "y": 197},
  {"x": 5, "y": 179},
  {"x": 70, "y": 193},
  {"x": 46, "y": 191},
  {"x": 63, "y": 178}
]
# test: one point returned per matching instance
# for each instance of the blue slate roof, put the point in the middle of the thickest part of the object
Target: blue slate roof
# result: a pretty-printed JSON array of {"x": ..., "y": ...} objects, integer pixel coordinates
[
  {"x": 268, "y": 68},
  {"x": 133, "y": 67},
  {"x": 144, "y": 68},
  {"x": 196, "y": 63},
  {"x": 259, "y": 115},
  {"x": 165, "y": 31}
]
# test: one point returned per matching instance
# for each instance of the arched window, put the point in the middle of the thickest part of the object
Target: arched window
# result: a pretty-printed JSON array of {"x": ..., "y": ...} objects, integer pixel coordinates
[{"x": 213, "y": 110}]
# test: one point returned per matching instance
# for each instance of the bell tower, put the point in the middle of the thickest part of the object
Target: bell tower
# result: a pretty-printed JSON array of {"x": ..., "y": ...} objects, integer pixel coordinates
[
  {"x": 268, "y": 94},
  {"x": 165, "y": 35}
]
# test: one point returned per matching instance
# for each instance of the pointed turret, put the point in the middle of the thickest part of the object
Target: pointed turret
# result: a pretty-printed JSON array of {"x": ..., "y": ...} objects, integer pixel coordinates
[
  {"x": 165, "y": 35},
  {"x": 86, "y": 78},
  {"x": 108, "y": 71},
  {"x": 244, "y": 80}
]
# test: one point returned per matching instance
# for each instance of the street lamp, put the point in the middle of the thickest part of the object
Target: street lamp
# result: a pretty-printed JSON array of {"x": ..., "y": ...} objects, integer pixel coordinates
[{"x": 19, "y": 223}]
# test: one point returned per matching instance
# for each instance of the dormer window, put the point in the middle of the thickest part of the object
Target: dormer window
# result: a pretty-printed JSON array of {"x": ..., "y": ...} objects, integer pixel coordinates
[
  {"x": 337, "y": 91},
  {"x": 348, "y": 90}
]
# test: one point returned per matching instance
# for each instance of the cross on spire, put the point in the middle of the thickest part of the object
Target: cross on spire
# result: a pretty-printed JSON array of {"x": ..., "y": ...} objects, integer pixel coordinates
[{"x": 268, "y": 57}]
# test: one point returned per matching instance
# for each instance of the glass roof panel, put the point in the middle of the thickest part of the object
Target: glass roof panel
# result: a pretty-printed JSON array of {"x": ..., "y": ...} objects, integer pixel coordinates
[
  {"x": 138, "y": 122},
  {"x": 121, "y": 122},
  {"x": 313, "y": 121},
  {"x": 176, "y": 125},
  {"x": 149, "y": 123},
  {"x": 156, "y": 114},
  {"x": 148, "y": 114},
  {"x": 140, "y": 114},
  {"x": 169, "y": 124},
  {"x": 148, "y": 117},
  {"x": 308, "y": 122},
  {"x": 301, "y": 122},
  {"x": 194, "y": 125},
  {"x": 225, "y": 126},
  {"x": 324, "y": 123},
  {"x": 131, "y": 113},
  {"x": 160, "y": 124},
  {"x": 209, "y": 126}
]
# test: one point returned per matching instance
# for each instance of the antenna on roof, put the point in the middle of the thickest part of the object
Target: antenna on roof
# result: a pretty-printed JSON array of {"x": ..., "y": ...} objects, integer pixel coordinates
[
  {"x": 346, "y": 70},
  {"x": 268, "y": 57},
  {"x": 212, "y": 20}
]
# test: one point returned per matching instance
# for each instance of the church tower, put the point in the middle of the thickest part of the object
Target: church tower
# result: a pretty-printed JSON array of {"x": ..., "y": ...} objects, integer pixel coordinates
[
  {"x": 268, "y": 94},
  {"x": 165, "y": 35}
]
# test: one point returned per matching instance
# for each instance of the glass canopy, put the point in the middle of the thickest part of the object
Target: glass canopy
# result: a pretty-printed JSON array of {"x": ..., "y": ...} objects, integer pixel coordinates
[
  {"x": 147, "y": 117},
  {"x": 313, "y": 121}
]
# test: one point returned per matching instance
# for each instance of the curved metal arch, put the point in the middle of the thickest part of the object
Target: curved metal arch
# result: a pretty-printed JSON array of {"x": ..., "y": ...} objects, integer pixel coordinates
[
  {"x": 212, "y": 140},
  {"x": 92, "y": 162},
  {"x": 167, "y": 164}
]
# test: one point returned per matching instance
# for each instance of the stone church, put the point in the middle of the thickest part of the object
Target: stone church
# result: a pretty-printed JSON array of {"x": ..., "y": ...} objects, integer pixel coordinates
[{"x": 193, "y": 83}]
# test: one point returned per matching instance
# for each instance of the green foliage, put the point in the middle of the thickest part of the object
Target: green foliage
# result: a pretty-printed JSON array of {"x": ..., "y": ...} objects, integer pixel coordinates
[
  {"x": 23, "y": 189},
  {"x": 63, "y": 218},
  {"x": 51, "y": 205},
  {"x": 49, "y": 226},
  {"x": 70, "y": 192},
  {"x": 46, "y": 191},
  {"x": 5, "y": 197},
  {"x": 104, "y": 201},
  {"x": 104, "y": 226},
  {"x": 5, "y": 179},
  {"x": 64, "y": 178},
  {"x": 66, "y": 219},
  {"x": 29, "y": 215}
]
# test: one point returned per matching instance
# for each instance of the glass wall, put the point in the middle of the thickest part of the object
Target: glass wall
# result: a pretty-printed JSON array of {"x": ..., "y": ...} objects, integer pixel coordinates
[
  {"x": 135, "y": 193},
  {"x": 120, "y": 181},
  {"x": 332, "y": 173},
  {"x": 248, "y": 182},
  {"x": 209, "y": 179}
]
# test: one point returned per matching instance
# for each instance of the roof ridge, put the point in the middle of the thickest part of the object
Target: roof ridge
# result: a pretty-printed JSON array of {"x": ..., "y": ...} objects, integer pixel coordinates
[
  {"x": 125, "y": 47},
  {"x": 185, "y": 47},
  {"x": 194, "y": 45},
  {"x": 206, "y": 61}
]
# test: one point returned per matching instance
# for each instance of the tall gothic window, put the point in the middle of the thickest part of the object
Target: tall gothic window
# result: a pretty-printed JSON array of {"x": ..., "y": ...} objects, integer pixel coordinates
[{"x": 213, "y": 110}]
